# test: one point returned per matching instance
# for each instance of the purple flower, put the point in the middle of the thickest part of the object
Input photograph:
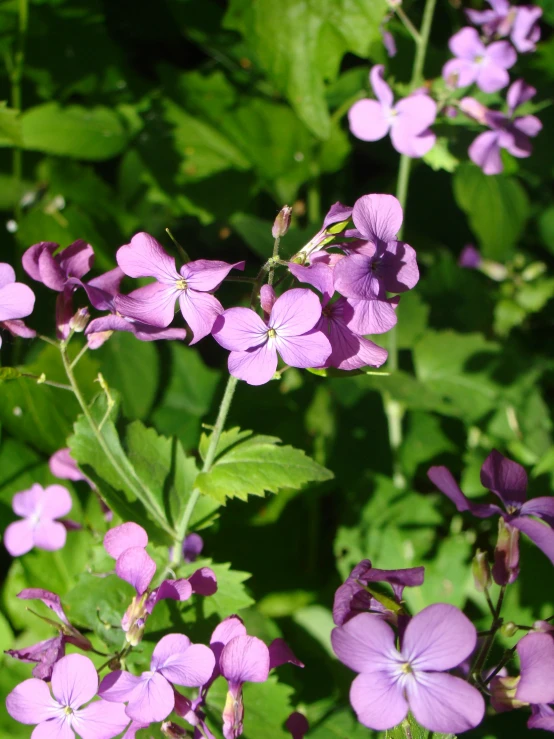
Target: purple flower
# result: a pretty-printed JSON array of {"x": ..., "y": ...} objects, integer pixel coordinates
[
  {"x": 46, "y": 653},
  {"x": 290, "y": 332},
  {"x": 57, "y": 273},
  {"x": 520, "y": 23},
  {"x": 507, "y": 480},
  {"x": 16, "y": 301},
  {"x": 63, "y": 466},
  {"x": 192, "y": 547},
  {"x": 382, "y": 264},
  {"x": 39, "y": 508},
  {"x": 154, "y": 304},
  {"x": 353, "y": 597},
  {"x": 74, "y": 683},
  {"x": 470, "y": 257},
  {"x": 150, "y": 696},
  {"x": 408, "y": 121},
  {"x": 334, "y": 222},
  {"x": 298, "y": 725},
  {"x": 349, "y": 349},
  {"x": 476, "y": 63},
  {"x": 510, "y": 133},
  {"x": 392, "y": 682}
]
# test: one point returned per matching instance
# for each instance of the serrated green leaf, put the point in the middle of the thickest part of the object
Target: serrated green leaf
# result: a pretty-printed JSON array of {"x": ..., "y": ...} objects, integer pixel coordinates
[
  {"x": 259, "y": 465},
  {"x": 231, "y": 594},
  {"x": 227, "y": 439}
]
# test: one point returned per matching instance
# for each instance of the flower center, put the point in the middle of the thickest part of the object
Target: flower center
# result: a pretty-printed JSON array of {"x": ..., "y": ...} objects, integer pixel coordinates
[
  {"x": 271, "y": 334},
  {"x": 479, "y": 59},
  {"x": 68, "y": 711},
  {"x": 406, "y": 668},
  {"x": 181, "y": 284}
]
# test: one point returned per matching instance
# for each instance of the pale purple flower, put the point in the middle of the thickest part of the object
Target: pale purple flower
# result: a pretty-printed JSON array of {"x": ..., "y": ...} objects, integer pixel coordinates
[
  {"x": 470, "y": 257},
  {"x": 407, "y": 122},
  {"x": 334, "y": 223},
  {"x": 486, "y": 66},
  {"x": 63, "y": 466},
  {"x": 74, "y": 683},
  {"x": 154, "y": 304},
  {"x": 39, "y": 508},
  {"x": 349, "y": 349},
  {"x": 290, "y": 332},
  {"x": 150, "y": 696},
  {"x": 507, "y": 480},
  {"x": 298, "y": 725},
  {"x": 352, "y": 597},
  {"x": 46, "y": 653},
  {"x": 16, "y": 301},
  {"x": 394, "y": 681},
  {"x": 510, "y": 133},
  {"x": 382, "y": 264},
  {"x": 57, "y": 271},
  {"x": 520, "y": 23}
]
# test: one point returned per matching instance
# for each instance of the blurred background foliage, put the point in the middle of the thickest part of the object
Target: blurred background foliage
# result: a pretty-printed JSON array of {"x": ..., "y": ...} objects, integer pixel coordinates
[{"x": 206, "y": 117}]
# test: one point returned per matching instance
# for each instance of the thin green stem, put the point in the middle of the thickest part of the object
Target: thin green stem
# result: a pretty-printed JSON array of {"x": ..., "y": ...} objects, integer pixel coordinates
[
  {"x": 421, "y": 50},
  {"x": 481, "y": 659},
  {"x": 275, "y": 257},
  {"x": 414, "y": 33},
  {"x": 79, "y": 356},
  {"x": 48, "y": 340},
  {"x": 206, "y": 467},
  {"x": 182, "y": 253},
  {"x": 16, "y": 75},
  {"x": 41, "y": 380}
]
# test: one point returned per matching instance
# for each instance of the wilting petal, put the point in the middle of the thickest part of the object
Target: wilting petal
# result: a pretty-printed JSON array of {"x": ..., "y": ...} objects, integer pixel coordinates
[
  {"x": 367, "y": 120},
  {"x": 136, "y": 567},
  {"x": 244, "y": 659},
  {"x": 26, "y": 502},
  {"x": 56, "y": 502},
  {"x": 536, "y": 656},
  {"x": 485, "y": 152},
  {"x": 123, "y": 537},
  {"x": 200, "y": 311},
  {"x": 443, "y": 703},
  {"x": 16, "y": 301},
  {"x": 49, "y": 535},
  {"x": 118, "y": 686},
  {"x": 466, "y": 44},
  {"x": 365, "y": 644},
  {"x": 207, "y": 274},
  {"x": 319, "y": 275},
  {"x": 377, "y": 217},
  {"x": 74, "y": 680},
  {"x": 153, "y": 304},
  {"x": 145, "y": 257},
  {"x": 295, "y": 312},
  {"x": 382, "y": 91},
  {"x": 540, "y": 534},
  {"x": 438, "y": 638},
  {"x": 378, "y": 700},
  {"x": 308, "y": 350},
  {"x": 504, "y": 477},
  {"x": 444, "y": 480},
  {"x": 18, "y": 538},
  {"x": 44, "y": 655},
  {"x": 51, "y": 600},
  {"x": 30, "y": 702},
  {"x": 368, "y": 316},
  {"x": 203, "y": 581},
  {"x": 459, "y": 72},
  {"x": 239, "y": 329},
  {"x": 152, "y": 700},
  {"x": 256, "y": 366},
  {"x": 100, "y": 720},
  {"x": 7, "y": 274},
  {"x": 280, "y": 653}
]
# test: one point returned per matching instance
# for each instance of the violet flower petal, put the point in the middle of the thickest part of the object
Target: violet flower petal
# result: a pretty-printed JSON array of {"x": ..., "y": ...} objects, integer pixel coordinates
[
  {"x": 518, "y": 93},
  {"x": 152, "y": 700},
  {"x": 43, "y": 655},
  {"x": 438, "y": 638},
  {"x": 295, "y": 312},
  {"x": 466, "y": 44},
  {"x": 30, "y": 258},
  {"x": 153, "y": 304},
  {"x": 415, "y": 114},
  {"x": 368, "y": 316},
  {"x": 145, "y": 257},
  {"x": 17, "y": 328},
  {"x": 51, "y": 600},
  {"x": 204, "y": 275},
  {"x": 504, "y": 477},
  {"x": 16, "y": 301},
  {"x": 526, "y": 30},
  {"x": 100, "y": 720},
  {"x": 444, "y": 480},
  {"x": 181, "y": 662},
  {"x": 367, "y": 120},
  {"x": 378, "y": 217},
  {"x": 62, "y": 465},
  {"x": 536, "y": 656},
  {"x": 542, "y": 507},
  {"x": 355, "y": 278},
  {"x": 280, "y": 653},
  {"x": 298, "y": 725},
  {"x": 382, "y": 91},
  {"x": 319, "y": 275},
  {"x": 349, "y": 351},
  {"x": 123, "y": 537},
  {"x": 308, "y": 350},
  {"x": 542, "y": 717},
  {"x": 267, "y": 299},
  {"x": 203, "y": 581},
  {"x": 239, "y": 329},
  {"x": 7, "y": 274},
  {"x": 443, "y": 703},
  {"x": 540, "y": 534},
  {"x": 30, "y": 702},
  {"x": 56, "y": 502},
  {"x": 484, "y": 151},
  {"x": 192, "y": 547},
  {"x": 200, "y": 311},
  {"x": 365, "y": 644},
  {"x": 255, "y": 366},
  {"x": 118, "y": 686},
  {"x": 378, "y": 700},
  {"x": 26, "y": 502},
  {"x": 136, "y": 567},
  {"x": 179, "y": 590},
  {"x": 74, "y": 681},
  {"x": 244, "y": 659},
  {"x": 18, "y": 537}
]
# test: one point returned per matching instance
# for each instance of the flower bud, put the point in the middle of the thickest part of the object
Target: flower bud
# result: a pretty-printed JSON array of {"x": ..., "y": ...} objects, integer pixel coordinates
[
  {"x": 503, "y": 694},
  {"x": 114, "y": 664},
  {"x": 172, "y": 730},
  {"x": 481, "y": 571},
  {"x": 496, "y": 271},
  {"x": 79, "y": 321},
  {"x": 506, "y": 554},
  {"x": 282, "y": 222},
  {"x": 509, "y": 629}
]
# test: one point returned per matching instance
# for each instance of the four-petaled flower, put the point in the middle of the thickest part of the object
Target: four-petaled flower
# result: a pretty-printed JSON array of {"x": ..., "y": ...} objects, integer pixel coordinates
[
  {"x": 408, "y": 121},
  {"x": 520, "y": 23},
  {"x": 16, "y": 301},
  {"x": 39, "y": 508},
  {"x": 154, "y": 304},
  {"x": 74, "y": 683},
  {"x": 290, "y": 331},
  {"x": 394, "y": 681},
  {"x": 485, "y": 65}
]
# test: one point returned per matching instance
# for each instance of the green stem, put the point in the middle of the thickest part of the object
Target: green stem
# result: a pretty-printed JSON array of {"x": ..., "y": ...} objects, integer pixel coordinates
[
  {"x": 17, "y": 101},
  {"x": 40, "y": 380},
  {"x": 142, "y": 493},
  {"x": 78, "y": 357},
  {"x": 206, "y": 467},
  {"x": 274, "y": 258},
  {"x": 414, "y": 33},
  {"x": 480, "y": 662},
  {"x": 393, "y": 409}
]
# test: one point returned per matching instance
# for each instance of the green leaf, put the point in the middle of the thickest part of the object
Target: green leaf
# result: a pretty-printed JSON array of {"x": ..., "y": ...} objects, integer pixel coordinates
[
  {"x": 227, "y": 439},
  {"x": 411, "y": 725},
  {"x": 497, "y": 208},
  {"x": 82, "y": 133},
  {"x": 257, "y": 465},
  {"x": 340, "y": 723},
  {"x": 318, "y": 622},
  {"x": 440, "y": 157},
  {"x": 231, "y": 595},
  {"x": 10, "y": 126}
]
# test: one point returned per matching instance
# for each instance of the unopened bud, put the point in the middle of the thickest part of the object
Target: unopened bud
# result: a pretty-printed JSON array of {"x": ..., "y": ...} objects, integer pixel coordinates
[
  {"x": 503, "y": 694},
  {"x": 496, "y": 271},
  {"x": 282, "y": 222},
  {"x": 172, "y": 730},
  {"x": 114, "y": 664},
  {"x": 509, "y": 629},
  {"x": 506, "y": 554},
  {"x": 79, "y": 321},
  {"x": 481, "y": 571}
]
